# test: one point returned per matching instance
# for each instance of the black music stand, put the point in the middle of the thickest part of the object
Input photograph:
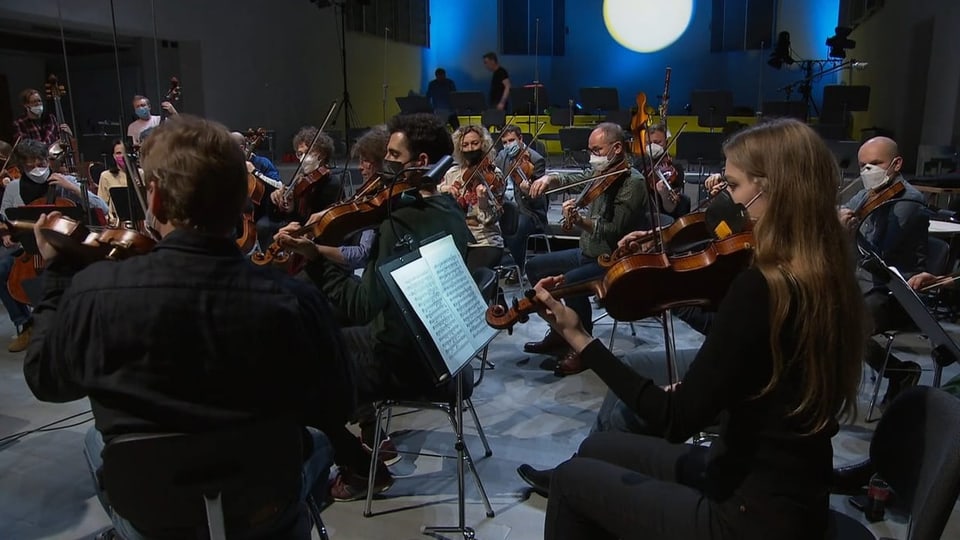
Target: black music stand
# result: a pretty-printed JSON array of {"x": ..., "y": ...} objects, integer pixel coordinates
[
  {"x": 600, "y": 99},
  {"x": 785, "y": 109},
  {"x": 712, "y": 107},
  {"x": 839, "y": 100},
  {"x": 574, "y": 142},
  {"x": 473, "y": 103},
  {"x": 414, "y": 104},
  {"x": 703, "y": 148},
  {"x": 126, "y": 205},
  {"x": 529, "y": 99}
]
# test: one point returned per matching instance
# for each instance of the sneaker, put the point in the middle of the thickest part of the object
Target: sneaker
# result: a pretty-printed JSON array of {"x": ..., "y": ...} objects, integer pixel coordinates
[
  {"x": 388, "y": 454},
  {"x": 348, "y": 486},
  {"x": 905, "y": 376},
  {"x": 20, "y": 342}
]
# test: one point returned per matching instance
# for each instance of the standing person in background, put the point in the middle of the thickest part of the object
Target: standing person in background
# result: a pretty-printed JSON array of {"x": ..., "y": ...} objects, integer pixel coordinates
[{"x": 499, "y": 81}]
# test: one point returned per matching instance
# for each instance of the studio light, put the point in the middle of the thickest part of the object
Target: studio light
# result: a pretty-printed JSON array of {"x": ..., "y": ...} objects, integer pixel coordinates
[{"x": 840, "y": 42}]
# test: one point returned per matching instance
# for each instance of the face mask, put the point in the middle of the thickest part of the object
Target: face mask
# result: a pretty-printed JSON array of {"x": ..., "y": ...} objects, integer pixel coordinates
[
  {"x": 873, "y": 176},
  {"x": 37, "y": 110},
  {"x": 119, "y": 161},
  {"x": 310, "y": 164},
  {"x": 392, "y": 168},
  {"x": 39, "y": 175},
  {"x": 655, "y": 150},
  {"x": 472, "y": 156},
  {"x": 725, "y": 217},
  {"x": 512, "y": 148},
  {"x": 598, "y": 162},
  {"x": 143, "y": 113}
]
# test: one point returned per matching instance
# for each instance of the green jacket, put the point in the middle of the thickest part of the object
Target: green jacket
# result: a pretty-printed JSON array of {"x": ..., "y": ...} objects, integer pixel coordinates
[{"x": 631, "y": 212}]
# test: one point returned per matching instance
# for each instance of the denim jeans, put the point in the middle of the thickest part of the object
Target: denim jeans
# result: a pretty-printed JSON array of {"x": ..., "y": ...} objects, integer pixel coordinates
[
  {"x": 316, "y": 470},
  {"x": 517, "y": 243},
  {"x": 19, "y": 313},
  {"x": 575, "y": 268}
]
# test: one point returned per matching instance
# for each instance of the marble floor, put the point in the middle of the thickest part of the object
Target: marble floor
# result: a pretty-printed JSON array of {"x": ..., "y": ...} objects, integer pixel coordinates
[{"x": 529, "y": 415}]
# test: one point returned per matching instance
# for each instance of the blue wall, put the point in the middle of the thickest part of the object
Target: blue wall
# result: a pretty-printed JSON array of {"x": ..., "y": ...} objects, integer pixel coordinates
[{"x": 461, "y": 31}]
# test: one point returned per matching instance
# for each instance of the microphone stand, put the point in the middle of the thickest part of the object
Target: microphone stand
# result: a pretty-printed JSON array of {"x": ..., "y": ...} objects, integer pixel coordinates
[{"x": 383, "y": 99}]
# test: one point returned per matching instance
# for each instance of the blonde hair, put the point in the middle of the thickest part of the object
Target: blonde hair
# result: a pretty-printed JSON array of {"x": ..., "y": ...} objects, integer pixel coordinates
[
  {"x": 199, "y": 171},
  {"x": 805, "y": 257},
  {"x": 486, "y": 141}
]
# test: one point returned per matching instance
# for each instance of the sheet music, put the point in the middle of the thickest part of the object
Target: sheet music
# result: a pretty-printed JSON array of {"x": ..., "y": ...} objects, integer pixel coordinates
[{"x": 444, "y": 296}]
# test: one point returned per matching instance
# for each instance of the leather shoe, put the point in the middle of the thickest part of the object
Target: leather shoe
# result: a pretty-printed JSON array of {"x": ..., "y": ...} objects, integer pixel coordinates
[
  {"x": 552, "y": 342},
  {"x": 569, "y": 364},
  {"x": 851, "y": 478},
  {"x": 539, "y": 480}
]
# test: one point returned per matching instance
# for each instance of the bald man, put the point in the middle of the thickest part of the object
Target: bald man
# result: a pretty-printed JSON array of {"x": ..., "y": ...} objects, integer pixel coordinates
[{"x": 896, "y": 231}]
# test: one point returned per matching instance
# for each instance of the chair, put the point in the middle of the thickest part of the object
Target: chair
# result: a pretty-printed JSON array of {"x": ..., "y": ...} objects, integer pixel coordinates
[
  {"x": 509, "y": 222},
  {"x": 447, "y": 403},
  {"x": 486, "y": 280},
  {"x": 237, "y": 482},
  {"x": 916, "y": 449},
  {"x": 938, "y": 252}
]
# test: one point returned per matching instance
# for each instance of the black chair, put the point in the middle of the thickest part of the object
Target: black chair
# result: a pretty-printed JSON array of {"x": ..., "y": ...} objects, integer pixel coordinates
[
  {"x": 916, "y": 449},
  {"x": 237, "y": 483}
]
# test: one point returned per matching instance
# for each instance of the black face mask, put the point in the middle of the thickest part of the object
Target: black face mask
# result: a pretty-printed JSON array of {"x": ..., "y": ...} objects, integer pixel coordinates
[
  {"x": 392, "y": 168},
  {"x": 725, "y": 217},
  {"x": 472, "y": 156}
]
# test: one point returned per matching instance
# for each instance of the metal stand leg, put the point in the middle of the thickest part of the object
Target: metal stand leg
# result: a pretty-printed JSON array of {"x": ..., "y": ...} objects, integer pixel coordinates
[
  {"x": 375, "y": 458},
  {"x": 463, "y": 455},
  {"x": 883, "y": 370},
  {"x": 483, "y": 436}
]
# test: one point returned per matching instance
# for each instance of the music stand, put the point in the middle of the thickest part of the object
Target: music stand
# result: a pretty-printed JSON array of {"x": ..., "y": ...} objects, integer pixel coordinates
[
  {"x": 600, "y": 99},
  {"x": 472, "y": 102},
  {"x": 414, "y": 104},
  {"x": 838, "y": 100},
  {"x": 785, "y": 109},
  {"x": 126, "y": 205},
  {"x": 700, "y": 147},
  {"x": 712, "y": 107},
  {"x": 525, "y": 99},
  {"x": 575, "y": 141}
]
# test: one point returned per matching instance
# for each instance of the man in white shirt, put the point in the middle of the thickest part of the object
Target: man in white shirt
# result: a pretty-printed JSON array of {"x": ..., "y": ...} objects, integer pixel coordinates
[{"x": 145, "y": 120}]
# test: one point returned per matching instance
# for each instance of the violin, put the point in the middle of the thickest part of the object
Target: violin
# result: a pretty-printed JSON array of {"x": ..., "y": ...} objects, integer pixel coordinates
[
  {"x": 340, "y": 220},
  {"x": 302, "y": 186},
  {"x": 646, "y": 284},
  {"x": 72, "y": 239},
  {"x": 483, "y": 173},
  {"x": 257, "y": 183},
  {"x": 599, "y": 183},
  {"x": 877, "y": 198},
  {"x": 683, "y": 232},
  {"x": 26, "y": 266}
]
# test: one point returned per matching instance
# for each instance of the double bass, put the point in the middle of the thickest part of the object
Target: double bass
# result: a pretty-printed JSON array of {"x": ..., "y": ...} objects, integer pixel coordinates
[{"x": 65, "y": 149}]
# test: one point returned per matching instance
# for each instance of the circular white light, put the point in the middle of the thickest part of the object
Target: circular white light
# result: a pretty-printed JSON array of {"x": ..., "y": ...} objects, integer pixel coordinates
[{"x": 647, "y": 25}]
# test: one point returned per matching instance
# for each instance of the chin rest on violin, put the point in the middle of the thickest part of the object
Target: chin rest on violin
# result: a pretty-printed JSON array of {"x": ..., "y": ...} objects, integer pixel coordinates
[{"x": 681, "y": 236}]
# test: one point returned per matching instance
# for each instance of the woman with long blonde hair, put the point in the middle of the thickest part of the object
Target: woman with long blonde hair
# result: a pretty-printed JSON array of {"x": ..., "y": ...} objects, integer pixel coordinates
[{"x": 782, "y": 360}]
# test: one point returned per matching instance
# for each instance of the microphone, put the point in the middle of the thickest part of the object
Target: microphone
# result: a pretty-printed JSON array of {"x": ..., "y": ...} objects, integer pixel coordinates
[
  {"x": 859, "y": 66},
  {"x": 435, "y": 174}
]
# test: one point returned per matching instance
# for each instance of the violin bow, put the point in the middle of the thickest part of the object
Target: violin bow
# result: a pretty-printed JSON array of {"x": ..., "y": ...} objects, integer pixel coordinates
[
  {"x": 296, "y": 174},
  {"x": 516, "y": 162},
  {"x": 12, "y": 149},
  {"x": 487, "y": 153}
]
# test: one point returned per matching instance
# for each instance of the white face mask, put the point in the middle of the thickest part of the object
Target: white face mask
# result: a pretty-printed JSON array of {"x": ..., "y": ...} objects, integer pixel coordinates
[
  {"x": 39, "y": 175},
  {"x": 655, "y": 150},
  {"x": 873, "y": 176},
  {"x": 37, "y": 110},
  {"x": 598, "y": 162}
]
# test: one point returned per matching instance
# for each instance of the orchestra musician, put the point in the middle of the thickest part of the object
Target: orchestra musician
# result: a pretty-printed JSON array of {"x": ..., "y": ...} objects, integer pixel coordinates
[
  {"x": 532, "y": 211},
  {"x": 9, "y": 173},
  {"x": 383, "y": 352},
  {"x": 782, "y": 360},
  {"x": 325, "y": 190},
  {"x": 145, "y": 119},
  {"x": 37, "y": 182},
  {"x": 471, "y": 146},
  {"x": 104, "y": 332},
  {"x": 114, "y": 175},
  {"x": 622, "y": 208},
  {"x": 672, "y": 203},
  {"x": 33, "y": 124},
  {"x": 897, "y": 232}
]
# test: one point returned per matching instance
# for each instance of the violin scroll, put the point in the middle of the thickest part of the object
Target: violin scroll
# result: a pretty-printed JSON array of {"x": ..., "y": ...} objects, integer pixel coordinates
[{"x": 503, "y": 318}]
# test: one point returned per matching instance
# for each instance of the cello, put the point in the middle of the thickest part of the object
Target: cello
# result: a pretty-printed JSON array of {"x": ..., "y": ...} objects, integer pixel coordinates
[{"x": 638, "y": 125}]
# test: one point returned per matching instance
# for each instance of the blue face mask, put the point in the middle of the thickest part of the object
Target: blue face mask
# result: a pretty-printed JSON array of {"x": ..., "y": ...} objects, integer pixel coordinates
[
  {"x": 143, "y": 113},
  {"x": 512, "y": 148}
]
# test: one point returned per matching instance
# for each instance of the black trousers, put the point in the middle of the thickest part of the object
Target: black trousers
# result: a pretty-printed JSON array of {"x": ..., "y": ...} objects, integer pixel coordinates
[
  {"x": 622, "y": 485},
  {"x": 887, "y": 315}
]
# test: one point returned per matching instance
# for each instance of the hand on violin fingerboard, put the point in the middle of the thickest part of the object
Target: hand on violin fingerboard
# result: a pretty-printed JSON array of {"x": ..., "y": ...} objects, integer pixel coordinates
[
  {"x": 278, "y": 199},
  {"x": 714, "y": 183}
]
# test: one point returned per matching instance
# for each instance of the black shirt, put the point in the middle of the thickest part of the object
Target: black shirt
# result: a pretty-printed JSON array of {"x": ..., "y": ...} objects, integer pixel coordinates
[
  {"x": 439, "y": 93},
  {"x": 765, "y": 475},
  {"x": 188, "y": 337},
  {"x": 496, "y": 85}
]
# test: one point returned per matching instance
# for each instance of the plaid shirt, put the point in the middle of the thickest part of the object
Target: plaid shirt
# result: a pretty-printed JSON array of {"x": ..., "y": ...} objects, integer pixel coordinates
[{"x": 44, "y": 129}]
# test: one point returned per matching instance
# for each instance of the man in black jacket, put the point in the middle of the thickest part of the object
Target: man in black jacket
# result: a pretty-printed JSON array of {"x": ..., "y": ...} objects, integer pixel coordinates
[{"x": 189, "y": 337}]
